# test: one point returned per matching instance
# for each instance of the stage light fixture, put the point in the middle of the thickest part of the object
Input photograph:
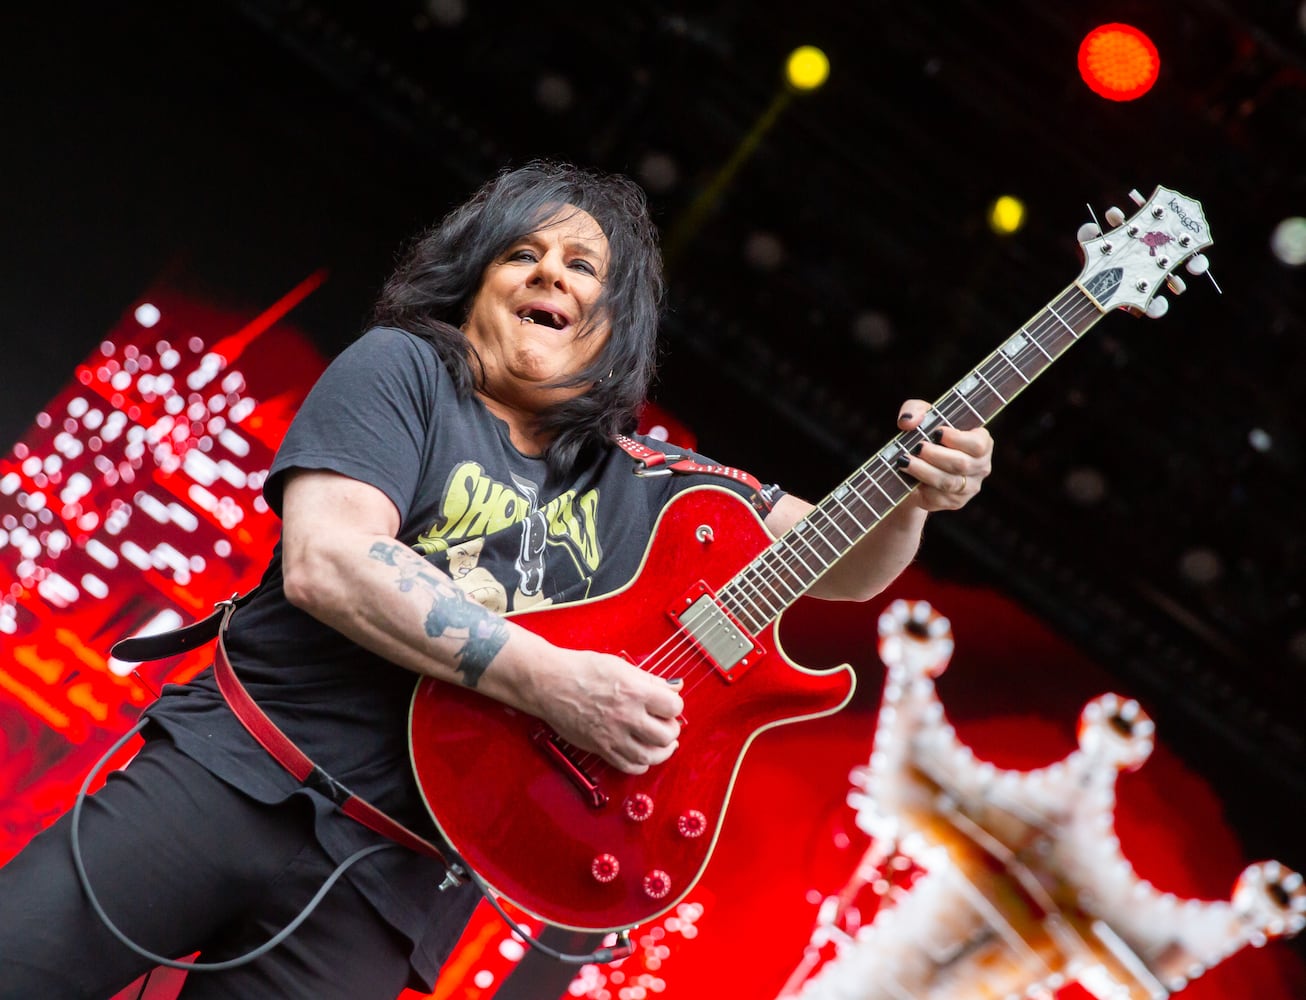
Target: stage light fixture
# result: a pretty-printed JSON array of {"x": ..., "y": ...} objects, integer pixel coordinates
[
  {"x": 764, "y": 251},
  {"x": 1118, "y": 62},
  {"x": 1006, "y": 215},
  {"x": 1201, "y": 566},
  {"x": 147, "y": 314},
  {"x": 807, "y": 68},
  {"x": 659, "y": 172},
  {"x": 873, "y": 330},
  {"x": 554, "y": 93},
  {"x": 1289, "y": 241}
]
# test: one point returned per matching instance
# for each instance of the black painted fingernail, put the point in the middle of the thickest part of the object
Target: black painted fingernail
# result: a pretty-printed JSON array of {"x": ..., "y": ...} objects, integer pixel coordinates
[
  {"x": 937, "y": 436},
  {"x": 904, "y": 416},
  {"x": 675, "y": 680},
  {"x": 920, "y": 446},
  {"x": 902, "y": 461}
]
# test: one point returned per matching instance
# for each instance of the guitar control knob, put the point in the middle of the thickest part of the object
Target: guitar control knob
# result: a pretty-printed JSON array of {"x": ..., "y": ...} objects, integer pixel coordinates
[
  {"x": 657, "y": 884},
  {"x": 639, "y": 807},
  {"x": 691, "y": 823},
  {"x": 605, "y": 868}
]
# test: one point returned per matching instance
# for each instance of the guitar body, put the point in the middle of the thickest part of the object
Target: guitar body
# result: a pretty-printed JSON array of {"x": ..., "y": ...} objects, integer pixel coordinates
[{"x": 557, "y": 831}]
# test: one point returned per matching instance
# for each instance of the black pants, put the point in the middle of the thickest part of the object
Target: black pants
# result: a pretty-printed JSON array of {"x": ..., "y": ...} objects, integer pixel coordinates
[{"x": 182, "y": 862}]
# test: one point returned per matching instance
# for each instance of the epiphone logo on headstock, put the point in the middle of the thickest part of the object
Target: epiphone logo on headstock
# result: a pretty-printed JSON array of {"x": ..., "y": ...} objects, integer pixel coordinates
[{"x": 1189, "y": 223}]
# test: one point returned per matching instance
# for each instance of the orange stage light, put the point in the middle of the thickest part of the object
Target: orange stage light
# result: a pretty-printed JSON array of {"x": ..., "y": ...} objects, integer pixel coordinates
[{"x": 1118, "y": 62}]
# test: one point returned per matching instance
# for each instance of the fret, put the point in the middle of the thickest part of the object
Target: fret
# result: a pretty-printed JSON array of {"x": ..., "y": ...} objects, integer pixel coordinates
[
  {"x": 831, "y": 518},
  {"x": 963, "y": 389},
  {"x": 746, "y": 596},
  {"x": 763, "y": 582},
  {"x": 940, "y": 414},
  {"x": 876, "y": 483},
  {"x": 992, "y": 388},
  {"x": 1003, "y": 356},
  {"x": 803, "y": 531},
  {"x": 1073, "y": 333},
  {"x": 837, "y": 498},
  {"x": 1034, "y": 340}
]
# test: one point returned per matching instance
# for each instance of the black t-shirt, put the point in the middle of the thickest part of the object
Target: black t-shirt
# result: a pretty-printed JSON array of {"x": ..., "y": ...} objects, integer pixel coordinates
[{"x": 385, "y": 412}]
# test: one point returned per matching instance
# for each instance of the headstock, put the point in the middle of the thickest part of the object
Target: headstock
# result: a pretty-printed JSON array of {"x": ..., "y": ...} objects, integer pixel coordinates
[{"x": 1126, "y": 267}]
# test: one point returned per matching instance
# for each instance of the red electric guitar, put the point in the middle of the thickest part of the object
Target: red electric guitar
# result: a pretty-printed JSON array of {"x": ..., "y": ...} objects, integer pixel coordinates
[{"x": 565, "y": 836}]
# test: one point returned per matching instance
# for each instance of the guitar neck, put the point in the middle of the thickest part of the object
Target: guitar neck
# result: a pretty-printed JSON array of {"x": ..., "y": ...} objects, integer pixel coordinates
[{"x": 788, "y": 568}]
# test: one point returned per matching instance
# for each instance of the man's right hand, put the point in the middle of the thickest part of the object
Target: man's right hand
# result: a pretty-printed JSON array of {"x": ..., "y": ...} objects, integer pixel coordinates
[{"x": 607, "y": 705}]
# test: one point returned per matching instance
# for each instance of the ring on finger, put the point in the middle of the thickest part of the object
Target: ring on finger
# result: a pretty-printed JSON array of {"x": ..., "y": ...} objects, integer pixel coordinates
[{"x": 964, "y": 480}]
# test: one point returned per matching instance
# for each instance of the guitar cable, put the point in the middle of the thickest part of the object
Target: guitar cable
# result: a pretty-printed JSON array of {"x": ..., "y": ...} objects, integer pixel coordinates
[
  {"x": 600, "y": 956},
  {"x": 127, "y": 942}
]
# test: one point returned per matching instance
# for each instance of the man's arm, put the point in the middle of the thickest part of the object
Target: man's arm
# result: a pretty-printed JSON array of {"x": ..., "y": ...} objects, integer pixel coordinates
[
  {"x": 949, "y": 473},
  {"x": 343, "y": 565}
]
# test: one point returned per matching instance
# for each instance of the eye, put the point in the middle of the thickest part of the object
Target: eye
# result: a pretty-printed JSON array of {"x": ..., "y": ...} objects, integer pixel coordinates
[
  {"x": 585, "y": 266},
  {"x": 525, "y": 253}
]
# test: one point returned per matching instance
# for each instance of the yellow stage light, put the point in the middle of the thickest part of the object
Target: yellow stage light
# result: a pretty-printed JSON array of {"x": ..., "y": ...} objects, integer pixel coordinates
[
  {"x": 1006, "y": 215},
  {"x": 807, "y": 68}
]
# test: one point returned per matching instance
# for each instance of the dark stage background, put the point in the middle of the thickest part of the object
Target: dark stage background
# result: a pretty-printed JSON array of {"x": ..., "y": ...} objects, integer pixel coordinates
[{"x": 1145, "y": 509}]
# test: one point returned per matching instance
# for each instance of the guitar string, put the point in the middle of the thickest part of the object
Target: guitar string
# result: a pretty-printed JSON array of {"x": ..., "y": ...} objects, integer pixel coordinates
[{"x": 681, "y": 650}]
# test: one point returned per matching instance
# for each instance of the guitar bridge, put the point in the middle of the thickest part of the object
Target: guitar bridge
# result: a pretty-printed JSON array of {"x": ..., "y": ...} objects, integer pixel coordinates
[{"x": 560, "y": 752}]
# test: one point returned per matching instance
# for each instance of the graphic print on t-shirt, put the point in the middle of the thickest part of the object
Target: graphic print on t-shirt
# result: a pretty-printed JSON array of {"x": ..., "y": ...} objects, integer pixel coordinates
[
  {"x": 497, "y": 535},
  {"x": 530, "y": 558}
]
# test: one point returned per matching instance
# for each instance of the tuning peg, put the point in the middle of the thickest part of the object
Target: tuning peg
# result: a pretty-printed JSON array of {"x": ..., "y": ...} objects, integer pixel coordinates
[
  {"x": 1197, "y": 264},
  {"x": 1177, "y": 284},
  {"x": 1136, "y": 198},
  {"x": 1158, "y": 307},
  {"x": 1088, "y": 231},
  {"x": 1114, "y": 217}
]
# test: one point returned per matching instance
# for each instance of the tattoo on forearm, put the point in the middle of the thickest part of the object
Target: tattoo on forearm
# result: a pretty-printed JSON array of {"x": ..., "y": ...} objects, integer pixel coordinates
[
  {"x": 451, "y": 610},
  {"x": 486, "y": 634},
  {"x": 484, "y": 641},
  {"x": 384, "y": 552}
]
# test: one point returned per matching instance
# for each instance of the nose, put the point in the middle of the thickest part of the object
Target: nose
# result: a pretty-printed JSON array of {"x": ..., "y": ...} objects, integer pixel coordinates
[{"x": 549, "y": 270}]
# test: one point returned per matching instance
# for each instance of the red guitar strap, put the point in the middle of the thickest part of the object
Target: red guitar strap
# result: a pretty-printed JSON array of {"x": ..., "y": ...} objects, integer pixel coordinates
[
  {"x": 265, "y": 731},
  {"x": 651, "y": 462}
]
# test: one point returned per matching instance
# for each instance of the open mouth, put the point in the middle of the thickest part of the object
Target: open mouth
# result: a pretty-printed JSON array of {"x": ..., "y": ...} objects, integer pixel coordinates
[{"x": 544, "y": 317}]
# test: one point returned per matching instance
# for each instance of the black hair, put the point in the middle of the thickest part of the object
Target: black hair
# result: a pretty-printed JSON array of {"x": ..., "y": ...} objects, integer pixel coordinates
[{"x": 431, "y": 291}]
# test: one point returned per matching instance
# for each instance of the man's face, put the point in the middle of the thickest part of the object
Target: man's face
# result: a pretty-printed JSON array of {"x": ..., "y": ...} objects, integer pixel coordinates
[{"x": 532, "y": 319}]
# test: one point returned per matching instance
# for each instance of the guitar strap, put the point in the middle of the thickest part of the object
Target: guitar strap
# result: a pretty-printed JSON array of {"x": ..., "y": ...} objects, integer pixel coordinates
[
  {"x": 264, "y": 730},
  {"x": 649, "y": 462}
]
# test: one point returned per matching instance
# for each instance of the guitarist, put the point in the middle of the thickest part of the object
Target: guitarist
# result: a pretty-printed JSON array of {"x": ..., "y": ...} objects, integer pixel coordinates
[{"x": 454, "y": 462}]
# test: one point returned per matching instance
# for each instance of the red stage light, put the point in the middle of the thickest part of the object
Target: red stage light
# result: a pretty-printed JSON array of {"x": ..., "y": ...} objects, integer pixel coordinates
[{"x": 1118, "y": 62}]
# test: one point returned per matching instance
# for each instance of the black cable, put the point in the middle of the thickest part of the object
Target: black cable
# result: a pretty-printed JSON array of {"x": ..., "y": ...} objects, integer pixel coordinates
[
  {"x": 232, "y": 963},
  {"x": 599, "y": 957}
]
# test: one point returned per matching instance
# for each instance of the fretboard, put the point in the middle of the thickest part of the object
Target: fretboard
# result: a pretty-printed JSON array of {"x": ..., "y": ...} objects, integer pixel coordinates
[{"x": 787, "y": 568}]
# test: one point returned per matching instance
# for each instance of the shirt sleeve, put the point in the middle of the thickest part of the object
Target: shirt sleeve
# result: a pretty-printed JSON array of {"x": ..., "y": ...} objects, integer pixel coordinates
[{"x": 366, "y": 417}]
